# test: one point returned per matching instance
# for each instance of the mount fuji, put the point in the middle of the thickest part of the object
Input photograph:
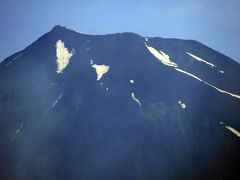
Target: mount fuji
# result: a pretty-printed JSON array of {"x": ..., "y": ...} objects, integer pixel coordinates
[{"x": 118, "y": 106}]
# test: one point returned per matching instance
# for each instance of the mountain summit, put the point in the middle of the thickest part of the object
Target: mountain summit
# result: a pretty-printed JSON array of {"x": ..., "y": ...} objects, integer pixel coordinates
[{"x": 118, "y": 106}]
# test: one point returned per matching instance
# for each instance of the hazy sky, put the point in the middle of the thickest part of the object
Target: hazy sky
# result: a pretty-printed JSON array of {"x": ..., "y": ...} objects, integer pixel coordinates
[{"x": 216, "y": 23}]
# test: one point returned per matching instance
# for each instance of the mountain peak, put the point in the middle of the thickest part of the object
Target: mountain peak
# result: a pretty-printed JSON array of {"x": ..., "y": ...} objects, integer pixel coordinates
[{"x": 59, "y": 27}]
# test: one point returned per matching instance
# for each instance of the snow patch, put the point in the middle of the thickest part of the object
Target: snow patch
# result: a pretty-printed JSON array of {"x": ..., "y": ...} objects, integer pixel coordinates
[
  {"x": 100, "y": 70},
  {"x": 164, "y": 58},
  {"x": 57, "y": 100},
  {"x": 106, "y": 89},
  {"x": 161, "y": 56},
  {"x": 182, "y": 105},
  {"x": 14, "y": 59},
  {"x": 189, "y": 74},
  {"x": 131, "y": 81},
  {"x": 73, "y": 51},
  {"x": 91, "y": 61},
  {"x": 221, "y": 71},
  {"x": 63, "y": 56},
  {"x": 222, "y": 91},
  {"x": 19, "y": 129},
  {"x": 136, "y": 100},
  {"x": 201, "y": 60},
  {"x": 234, "y": 131}
]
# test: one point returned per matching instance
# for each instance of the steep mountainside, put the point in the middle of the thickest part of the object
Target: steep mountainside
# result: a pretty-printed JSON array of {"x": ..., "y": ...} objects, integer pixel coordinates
[{"x": 118, "y": 106}]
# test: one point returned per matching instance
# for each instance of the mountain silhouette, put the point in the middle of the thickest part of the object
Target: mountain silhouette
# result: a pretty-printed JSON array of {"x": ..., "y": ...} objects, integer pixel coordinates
[{"x": 118, "y": 106}]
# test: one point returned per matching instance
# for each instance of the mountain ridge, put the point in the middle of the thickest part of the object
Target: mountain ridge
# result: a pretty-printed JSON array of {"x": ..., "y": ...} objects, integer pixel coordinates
[{"x": 64, "y": 28}]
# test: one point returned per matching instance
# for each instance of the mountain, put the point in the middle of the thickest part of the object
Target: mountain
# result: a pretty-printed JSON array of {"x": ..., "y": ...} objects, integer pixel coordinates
[{"x": 118, "y": 106}]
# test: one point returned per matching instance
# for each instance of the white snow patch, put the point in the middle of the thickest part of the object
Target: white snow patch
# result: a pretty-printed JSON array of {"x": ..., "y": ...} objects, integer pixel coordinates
[
  {"x": 221, "y": 71},
  {"x": 161, "y": 56},
  {"x": 164, "y": 58},
  {"x": 101, "y": 83},
  {"x": 182, "y": 105},
  {"x": 131, "y": 81},
  {"x": 14, "y": 59},
  {"x": 106, "y": 89},
  {"x": 200, "y": 59},
  {"x": 100, "y": 70},
  {"x": 146, "y": 39},
  {"x": 222, "y": 91},
  {"x": 57, "y": 100},
  {"x": 189, "y": 74},
  {"x": 19, "y": 129},
  {"x": 73, "y": 51},
  {"x": 17, "y": 132},
  {"x": 199, "y": 79},
  {"x": 91, "y": 61},
  {"x": 234, "y": 131},
  {"x": 136, "y": 100},
  {"x": 63, "y": 56}
]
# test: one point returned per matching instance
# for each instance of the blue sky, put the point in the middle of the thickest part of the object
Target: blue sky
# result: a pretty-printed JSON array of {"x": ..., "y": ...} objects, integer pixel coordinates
[{"x": 213, "y": 22}]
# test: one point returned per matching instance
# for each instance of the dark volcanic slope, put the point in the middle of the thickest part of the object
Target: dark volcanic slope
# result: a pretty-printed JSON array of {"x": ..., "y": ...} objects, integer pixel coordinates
[{"x": 165, "y": 109}]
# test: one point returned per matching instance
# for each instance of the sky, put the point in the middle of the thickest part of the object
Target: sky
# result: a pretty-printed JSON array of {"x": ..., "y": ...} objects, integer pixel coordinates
[{"x": 215, "y": 23}]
